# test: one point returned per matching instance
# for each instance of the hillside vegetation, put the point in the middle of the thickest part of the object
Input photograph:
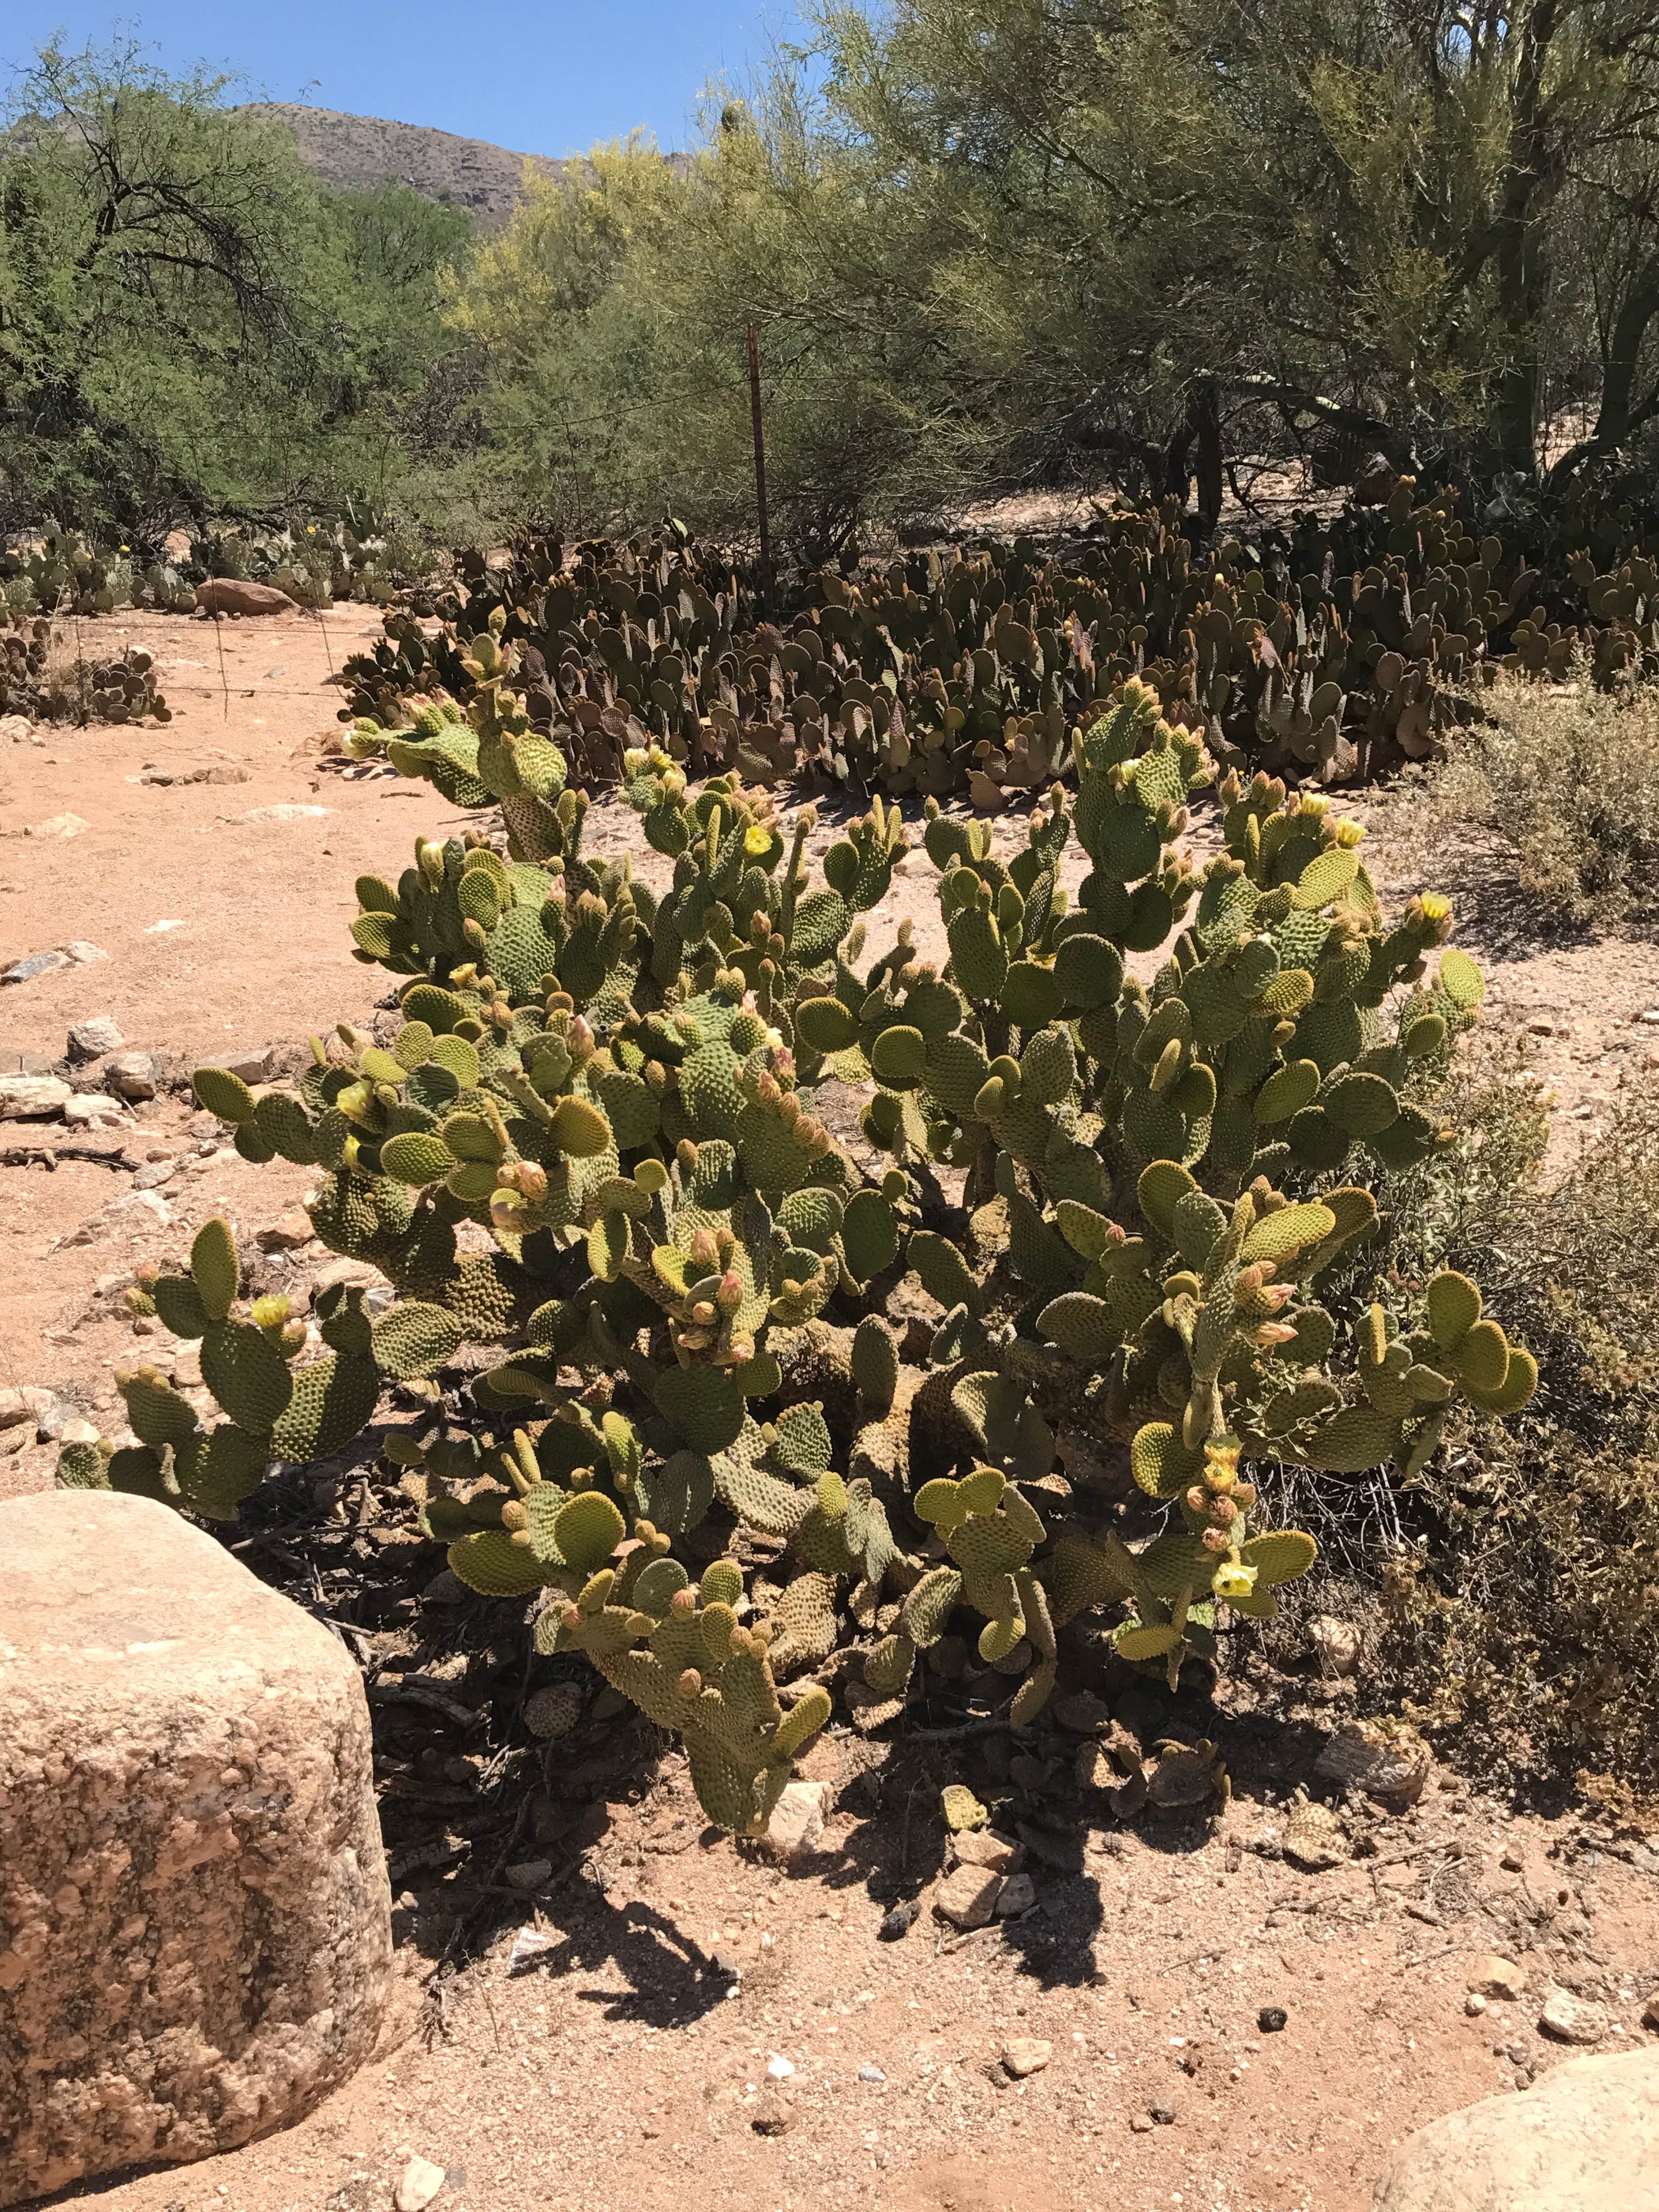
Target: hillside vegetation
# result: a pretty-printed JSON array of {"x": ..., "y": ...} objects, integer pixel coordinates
[{"x": 988, "y": 245}]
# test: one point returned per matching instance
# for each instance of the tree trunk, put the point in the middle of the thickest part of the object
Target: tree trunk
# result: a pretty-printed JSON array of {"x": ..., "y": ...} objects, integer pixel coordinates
[{"x": 1518, "y": 257}]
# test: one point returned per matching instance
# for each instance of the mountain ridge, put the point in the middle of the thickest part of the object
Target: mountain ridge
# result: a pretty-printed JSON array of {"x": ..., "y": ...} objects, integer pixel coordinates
[{"x": 355, "y": 152}]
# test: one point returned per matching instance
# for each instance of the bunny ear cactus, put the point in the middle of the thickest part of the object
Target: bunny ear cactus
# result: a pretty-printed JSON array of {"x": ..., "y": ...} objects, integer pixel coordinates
[{"x": 591, "y": 1139}]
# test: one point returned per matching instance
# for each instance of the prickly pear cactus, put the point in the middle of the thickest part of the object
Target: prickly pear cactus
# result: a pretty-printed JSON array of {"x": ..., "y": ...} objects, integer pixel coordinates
[{"x": 592, "y": 1141}]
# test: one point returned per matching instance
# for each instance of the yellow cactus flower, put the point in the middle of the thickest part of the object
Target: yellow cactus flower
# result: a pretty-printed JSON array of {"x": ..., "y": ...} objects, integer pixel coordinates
[{"x": 1233, "y": 1580}]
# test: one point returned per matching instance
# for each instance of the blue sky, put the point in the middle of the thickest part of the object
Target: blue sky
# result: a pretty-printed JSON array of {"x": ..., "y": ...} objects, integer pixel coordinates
[{"x": 541, "y": 76}]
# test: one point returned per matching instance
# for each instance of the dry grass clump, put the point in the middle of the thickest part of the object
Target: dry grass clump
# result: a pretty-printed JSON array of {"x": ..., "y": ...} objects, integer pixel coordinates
[
  {"x": 1565, "y": 780},
  {"x": 1510, "y": 1596}
]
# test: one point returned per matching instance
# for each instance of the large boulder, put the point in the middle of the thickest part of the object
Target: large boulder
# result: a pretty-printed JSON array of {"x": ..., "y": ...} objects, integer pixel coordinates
[
  {"x": 1585, "y": 2138},
  {"x": 195, "y": 1928},
  {"x": 234, "y": 595}
]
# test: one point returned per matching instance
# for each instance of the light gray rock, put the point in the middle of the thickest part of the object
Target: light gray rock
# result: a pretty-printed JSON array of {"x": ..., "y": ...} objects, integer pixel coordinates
[
  {"x": 796, "y": 1827},
  {"x": 1585, "y": 2138},
  {"x": 33, "y": 1098},
  {"x": 195, "y": 1928},
  {"x": 286, "y": 811},
  {"x": 131, "y": 1075},
  {"x": 93, "y": 1110},
  {"x": 91, "y": 1040},
  {"x": 253, "y": 1065},
  {"x": 1572, "y": 2019},
  {"x": 81, "y": 953}
]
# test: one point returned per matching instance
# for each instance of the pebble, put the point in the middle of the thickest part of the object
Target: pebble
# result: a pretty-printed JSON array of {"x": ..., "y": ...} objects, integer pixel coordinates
[
  {"x": 1026, "y": 2054},
  {"x": 37, "y": 963},
  {"x": 778, "y": 2068},
  {"x": 287, "y": 812},
  {"x": 1271, "y": 2018},
  {"x": 530, "y": 1873},
  {"x": 52, "y": 1420},
  {"x": 796, "y": 1827},
  {"x": 1572, "y": 2019},
  {"x": 58, "y": 826},
  {"x": 1493, "y": 1976},
  {"x": 81, "y": 953},
  {"x": 1141, "y": 2122},
  {"x": 1336, "y": 1644},
  {"x": 872, "y": 2073},
  {"x": 771, "y": 2115},
  {"x": 1474, "y": 2004},
  {"x": 91, "y": 1040},
  {"x": 1164, "y": 2115},
  {"x": 153, "y": 1176},
  {"x": 418, "y": 2184}
]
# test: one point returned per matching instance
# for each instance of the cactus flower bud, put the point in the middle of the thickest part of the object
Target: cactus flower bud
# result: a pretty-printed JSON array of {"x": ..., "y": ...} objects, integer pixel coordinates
[
  {"x": 729, "y": 1296},
  {"x": 1244, "y": 1494},
  {"x": 1213, "y": 1541},
  {"x": 690, "y": 1685},
  {"x": 703, "y": 1253},
  {"x": 683, "y": 1604},
  {"x": 1223, "y": 1512}
]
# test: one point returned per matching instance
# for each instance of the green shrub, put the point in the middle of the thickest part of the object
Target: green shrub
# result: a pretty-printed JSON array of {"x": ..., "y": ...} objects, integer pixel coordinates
[{"x": 1155, "y": 1283}]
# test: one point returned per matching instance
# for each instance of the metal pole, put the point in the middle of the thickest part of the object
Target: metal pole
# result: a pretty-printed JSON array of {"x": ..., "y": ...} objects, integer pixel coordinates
[{"x": 760, "y": 467}]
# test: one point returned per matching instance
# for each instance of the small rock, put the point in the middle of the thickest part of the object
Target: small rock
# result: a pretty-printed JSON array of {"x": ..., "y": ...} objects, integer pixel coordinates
[
  {"x": 418, "y": 2184},
  {"x": 1572, "y": 2019},
  {"x": 152, "y": 1176},
  {"x": 1336, "y": 1644},
  {"x": 1163, "y": 2115},
  {"x": 1271, "y": 2018},
  {"x": 91, "y": 1040},
  {"x": 872, "y": 2073},
  {"x": 967, "y": 1898},
  {"x": 288, "y": 811},
  {"x": 1517, "y": 2054},
  {"x": 351, "y": 1273},
  {"x": 1474, "y": 2004},
  {"x": 1017, "y": 1895},
  {"x": 1026, "y": 2054},
  {"x": 1141, "y": 2122},
  {"x": 16, "y": 1408},
  {"x": 37, "y": 963},
  {"x": 32, "y": 1097},
  {"x": 771, "y": 2115},
  {"x": 92, "y": 1110},
  {"x": 59, "y": 825},
  {"x": 252, "y": 1067},
  {"x": 530, "y": 1873},
  {"x": 131, "y": 1075},
  {"x": 529, "y": 1943},
  {"x": 984, "y": 1847},
  {"x": 796, "y": 1827},
  {"x": 289, "y": 1232},
  {"x": 899, "y": 1920},
  {"x": 1493, "y": 1976},
  {"x": 81, "y": 953},
  {"x": 778, "y": 2068},
  {"x": 150, "y": 1202},
  {"x": 1511, "y": 1860},
  {"x": 15, "y": 730}
]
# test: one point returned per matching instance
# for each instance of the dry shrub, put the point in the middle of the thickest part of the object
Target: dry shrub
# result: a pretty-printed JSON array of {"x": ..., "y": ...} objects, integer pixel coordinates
[
  {"x": 1522, "y": 1608},
  {"x": 1565, "y": 778}
]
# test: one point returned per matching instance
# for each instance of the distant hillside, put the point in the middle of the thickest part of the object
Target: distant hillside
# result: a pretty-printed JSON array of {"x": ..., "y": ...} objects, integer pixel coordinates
[{"x": 356, "y": 152}]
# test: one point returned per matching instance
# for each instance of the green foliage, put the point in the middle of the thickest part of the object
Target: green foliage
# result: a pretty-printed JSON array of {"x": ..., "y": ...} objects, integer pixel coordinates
[
  {"x": 190, "y": 322},
  {"x": 617, "y": 1088}
]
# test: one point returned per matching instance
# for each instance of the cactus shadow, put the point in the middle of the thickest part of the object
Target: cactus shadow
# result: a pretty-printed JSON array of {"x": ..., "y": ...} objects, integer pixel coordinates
[{"x": 673, "y": 1981}]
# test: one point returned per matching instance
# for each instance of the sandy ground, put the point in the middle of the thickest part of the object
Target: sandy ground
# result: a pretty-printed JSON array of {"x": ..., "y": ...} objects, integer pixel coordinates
[{"x": 628, "y": 2061}]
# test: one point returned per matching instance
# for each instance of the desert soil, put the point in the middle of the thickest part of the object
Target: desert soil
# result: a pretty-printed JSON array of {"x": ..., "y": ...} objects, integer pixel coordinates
[{"x": 627, "y": 2058}]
